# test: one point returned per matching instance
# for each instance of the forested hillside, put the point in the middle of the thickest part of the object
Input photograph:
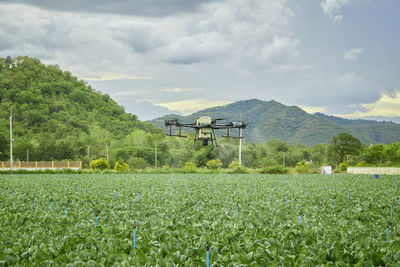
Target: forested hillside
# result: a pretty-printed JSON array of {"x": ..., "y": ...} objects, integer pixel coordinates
[
  {"x": 56, "y": 116},
  {"x": 268, "y": 120}
]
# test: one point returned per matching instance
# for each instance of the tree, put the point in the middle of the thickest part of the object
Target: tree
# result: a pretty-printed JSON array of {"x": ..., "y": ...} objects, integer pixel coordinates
[{"x": 345, "y": 144}]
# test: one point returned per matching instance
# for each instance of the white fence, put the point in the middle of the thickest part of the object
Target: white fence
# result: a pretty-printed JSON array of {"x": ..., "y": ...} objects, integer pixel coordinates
[
  {"x": 34, "y": 165},
  {"x": 374, "y": 170}
]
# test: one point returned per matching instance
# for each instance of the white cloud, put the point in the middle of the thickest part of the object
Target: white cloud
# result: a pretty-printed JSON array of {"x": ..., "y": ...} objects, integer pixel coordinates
[
  {"x": 179, "y": 90},
  {"x": 332, "y": 8},
  {"x": 352, "y": 54},
  {"x": 190, "y": 106},
  {"x": 388, "y": 105}
]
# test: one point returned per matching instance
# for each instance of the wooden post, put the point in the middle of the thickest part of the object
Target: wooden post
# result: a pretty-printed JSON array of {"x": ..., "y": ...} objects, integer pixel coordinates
[
  {"x": 68, "y": 164},
  {"x": 2, "y": 165},
  {"x": 36, "y": 165},
  {"x": 80, "y": 164},
  {"x": 52, "y": 164},
  {"x": 19, "y": 164}
]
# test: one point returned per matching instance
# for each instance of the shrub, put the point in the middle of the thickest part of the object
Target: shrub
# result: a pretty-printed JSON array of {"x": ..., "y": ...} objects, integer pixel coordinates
[
  {"x": 189, "y": 167},
  {"x": 121, "y": 166},
  {"x": 343, "y": 166},
  {"x": 239, "y": 170},
  {"x": 302, "y": 167},
  {"x": 361, "y": 164},
  {"x": 277, "y": 169},
  {"x": 233, "y": 164},
  {"x": 214, "y": 164},
  {"x": 99, "y": 164}
]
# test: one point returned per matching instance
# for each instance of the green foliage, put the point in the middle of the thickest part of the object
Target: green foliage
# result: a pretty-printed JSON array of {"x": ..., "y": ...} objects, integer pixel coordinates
[
  {"x": 302, "y": 167},
  {"x": 138, "y": 163},
  {"x": 265, "y": 232},
  {"x": 277, "y": 169},
  {"x": 361, "y": 164},
  {"x": 345, "y": 145},
  {"x": 238, "y": 170},
  {"x": 234, "y": 164},
  {"x": 121, "y": 166},
  {"x": 99, "y": 164},
  {"x": 343, "y": 166},
  {"x": 56, "y": 116},
  {"x": 214, "y": 164},
  {"x": 190, "y": 167}
]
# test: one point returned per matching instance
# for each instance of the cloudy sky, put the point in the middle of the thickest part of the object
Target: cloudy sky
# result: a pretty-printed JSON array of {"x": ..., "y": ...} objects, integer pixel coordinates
[{"x": 339, "y": 57}]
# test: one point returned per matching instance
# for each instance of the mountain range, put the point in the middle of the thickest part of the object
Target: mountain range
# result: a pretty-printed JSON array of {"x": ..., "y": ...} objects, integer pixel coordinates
[{"x": 268, "y": 120}]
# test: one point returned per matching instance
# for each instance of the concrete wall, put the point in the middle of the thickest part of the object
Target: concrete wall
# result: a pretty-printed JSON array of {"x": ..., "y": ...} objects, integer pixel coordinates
[{"x": 374, "y": 170}]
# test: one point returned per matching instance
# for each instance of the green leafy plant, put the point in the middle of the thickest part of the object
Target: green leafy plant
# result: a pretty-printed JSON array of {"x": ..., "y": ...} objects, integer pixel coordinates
[
  {"x": 99, "y": 164},
  {"x": 121, "y": 166}
]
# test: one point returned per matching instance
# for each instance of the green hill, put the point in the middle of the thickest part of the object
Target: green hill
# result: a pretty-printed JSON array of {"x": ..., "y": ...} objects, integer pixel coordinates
[
  {"x": 268, "y": 120},
  {"x": 55, "y": 115}
]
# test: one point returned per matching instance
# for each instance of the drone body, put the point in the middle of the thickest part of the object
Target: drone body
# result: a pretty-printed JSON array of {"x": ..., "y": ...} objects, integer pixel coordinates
[{"x": 204, "y": 129}]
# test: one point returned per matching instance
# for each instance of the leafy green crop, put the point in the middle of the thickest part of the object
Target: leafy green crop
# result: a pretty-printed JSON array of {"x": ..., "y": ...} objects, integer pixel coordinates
[{"x": 246, "y": 219}]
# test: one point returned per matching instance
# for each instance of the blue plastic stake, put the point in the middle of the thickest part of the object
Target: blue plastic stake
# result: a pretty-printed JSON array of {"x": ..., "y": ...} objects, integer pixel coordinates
[
  {"x": 391, "y": 211},
  {"x": 399, "y": 199},
  {"x": 326, "y": 187},
  {"x": 66, "y": 212},
  {"x": 286, "y": 202},
  {"x": 116, "y": 193},
  {"x": 99, "y": 189},
  {"x": 300, "y": 218},
  {"x": 334, "y": 202},
  {"x": 197, "y": 205},
  {"x": 138, "y": 196},
  {"x": 22, "y": 199},
  {"x": 95, "y": 222},
  {"x": 134, "y": 237},
  {"x": 34, "y": 202},
  {"x": 387, "y": 234},
  {"x": 208, "y": 258},
  {"x": 152, "y": 188},
  {"x": 51, "y": 205},
  {"x": 237, "y": 211},
  {"x": 348, "y": 195}
]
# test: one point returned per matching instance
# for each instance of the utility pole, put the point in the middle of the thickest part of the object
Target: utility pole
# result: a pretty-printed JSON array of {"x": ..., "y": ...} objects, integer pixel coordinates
[
  {"x": 155, "y": 154},
  {"x": 240, "y": 146},
  {"x": 107, "y": 151},
  {"x": 88, "y": 151},
  {"x": 11, "y": 141}
]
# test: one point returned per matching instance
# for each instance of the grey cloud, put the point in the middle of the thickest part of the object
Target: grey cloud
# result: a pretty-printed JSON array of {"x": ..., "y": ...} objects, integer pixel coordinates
[{"x": 122, "y": 7}]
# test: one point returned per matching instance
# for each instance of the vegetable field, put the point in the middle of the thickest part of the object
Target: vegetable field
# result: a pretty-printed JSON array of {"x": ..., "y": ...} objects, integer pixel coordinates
[{"x": 168, "y": 220}]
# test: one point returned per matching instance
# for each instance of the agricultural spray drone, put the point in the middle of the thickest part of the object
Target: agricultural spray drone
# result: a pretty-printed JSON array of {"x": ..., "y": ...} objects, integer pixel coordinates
[{"x": 205, "y": 128}]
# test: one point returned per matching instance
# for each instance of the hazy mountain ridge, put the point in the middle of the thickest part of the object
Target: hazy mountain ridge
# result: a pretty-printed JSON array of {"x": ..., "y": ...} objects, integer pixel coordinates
[{"x": 268, "y": 120}]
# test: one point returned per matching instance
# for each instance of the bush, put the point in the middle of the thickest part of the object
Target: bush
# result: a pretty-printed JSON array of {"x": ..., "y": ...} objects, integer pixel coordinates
[
  {"x": 99, "y": 164},
  {"x": 190, "y": 167},
  {"x": 121, "y": 166},
  {"x": 239, "y": 170},
  {"x": 277, "y": 169},
  {"x": 361, "y": 164},
  {"x": 343, "y": 166},
  {"x": 138, "y": 163},
  {"x": 214, "y": 164},
  {"x": 302, "y": 167},
  {"x": 233, "y": 164}
]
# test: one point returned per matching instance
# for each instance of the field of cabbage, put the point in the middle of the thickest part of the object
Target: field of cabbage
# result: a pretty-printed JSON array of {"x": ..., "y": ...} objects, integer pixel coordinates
[{"x": 168, "y": 220}]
